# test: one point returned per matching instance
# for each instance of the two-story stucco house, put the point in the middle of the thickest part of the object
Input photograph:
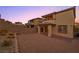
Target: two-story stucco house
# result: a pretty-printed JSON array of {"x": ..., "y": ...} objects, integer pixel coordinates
[{"x": 59, "y": 23}]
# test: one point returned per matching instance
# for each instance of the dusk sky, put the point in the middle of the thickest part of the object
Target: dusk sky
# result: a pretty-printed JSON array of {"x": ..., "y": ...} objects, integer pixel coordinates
[{"x": 25, "y": 13}]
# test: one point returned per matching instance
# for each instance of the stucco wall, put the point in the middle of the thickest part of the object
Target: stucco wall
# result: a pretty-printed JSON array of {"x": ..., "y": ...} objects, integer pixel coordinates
[
  {"x": 54, "y": 29},
  {"x": 65, "y": 18}
]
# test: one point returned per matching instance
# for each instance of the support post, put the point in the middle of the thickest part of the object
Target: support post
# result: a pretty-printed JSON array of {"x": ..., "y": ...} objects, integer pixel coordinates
[
  {"x": 39, "y": 31},
  {"x": 49, "y": 30}
]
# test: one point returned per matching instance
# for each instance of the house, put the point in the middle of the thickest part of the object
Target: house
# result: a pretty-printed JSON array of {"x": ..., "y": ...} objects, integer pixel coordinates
[
  {"x": 18, "y": 23},
  {"x": 34, "y": 22},
  {"x": 76, "y": 27},
  {"x": 59, "y": 23}
]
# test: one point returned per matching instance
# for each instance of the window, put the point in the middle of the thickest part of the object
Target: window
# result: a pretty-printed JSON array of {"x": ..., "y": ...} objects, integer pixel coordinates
[{"x": 62, "y": 29}]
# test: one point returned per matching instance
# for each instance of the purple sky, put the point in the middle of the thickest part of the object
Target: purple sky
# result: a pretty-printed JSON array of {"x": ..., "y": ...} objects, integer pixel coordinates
[{"x": 25, "y": 13}]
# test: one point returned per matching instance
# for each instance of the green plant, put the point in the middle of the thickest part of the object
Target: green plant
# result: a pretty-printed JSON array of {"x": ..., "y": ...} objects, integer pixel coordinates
[
  {"x": 11, "y": 36},
  {"x": 6, "y": 43},
  {"x": 3, "y": 32}
]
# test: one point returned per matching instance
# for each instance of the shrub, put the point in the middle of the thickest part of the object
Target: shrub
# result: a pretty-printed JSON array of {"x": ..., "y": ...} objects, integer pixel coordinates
[
  {"x": 3, "y": 32},
  {"x": 6, "y": 43},
  {"x": 11, "y": 36}
]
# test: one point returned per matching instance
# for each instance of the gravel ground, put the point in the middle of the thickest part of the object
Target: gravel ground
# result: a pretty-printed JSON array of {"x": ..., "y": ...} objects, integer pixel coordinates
[{"x": 38, "y": 43}]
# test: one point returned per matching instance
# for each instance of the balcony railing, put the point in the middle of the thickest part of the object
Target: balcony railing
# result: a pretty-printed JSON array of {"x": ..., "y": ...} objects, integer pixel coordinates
[{"x": 49, "y": 21}]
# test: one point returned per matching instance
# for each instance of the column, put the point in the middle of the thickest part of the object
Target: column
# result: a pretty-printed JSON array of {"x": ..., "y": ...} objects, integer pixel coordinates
[
  {"x": 49, "y": 30},
  {"x": 39, "y": 31}
]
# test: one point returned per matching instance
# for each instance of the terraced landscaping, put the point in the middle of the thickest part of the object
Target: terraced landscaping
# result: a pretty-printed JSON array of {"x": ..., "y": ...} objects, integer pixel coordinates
[
  {"x": 7, "y": 41},
  {"x": 28, "y": 40}
]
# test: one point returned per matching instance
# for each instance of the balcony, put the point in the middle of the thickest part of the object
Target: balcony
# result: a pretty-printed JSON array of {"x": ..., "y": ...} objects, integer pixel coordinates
[{"x": 49, "y": 21}]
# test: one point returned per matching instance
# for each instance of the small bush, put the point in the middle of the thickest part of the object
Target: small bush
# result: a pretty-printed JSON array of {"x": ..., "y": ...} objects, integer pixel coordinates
[
  {"x": 11, "y": 36},
  {"x": 3, "y": 32},
  {"x": 6, "y": 43}
]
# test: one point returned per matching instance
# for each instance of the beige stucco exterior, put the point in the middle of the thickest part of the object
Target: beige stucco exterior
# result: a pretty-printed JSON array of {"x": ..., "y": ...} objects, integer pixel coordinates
[{"x": 65, "y": 17}]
